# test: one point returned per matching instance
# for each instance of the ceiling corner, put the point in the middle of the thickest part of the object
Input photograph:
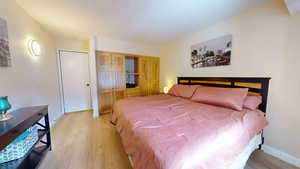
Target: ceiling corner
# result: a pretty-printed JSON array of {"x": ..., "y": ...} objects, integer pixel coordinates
[{"x": 293, "y": 6}]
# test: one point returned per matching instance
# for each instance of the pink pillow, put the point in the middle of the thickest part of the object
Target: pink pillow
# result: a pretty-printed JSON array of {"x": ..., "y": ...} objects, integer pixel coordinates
[
  {"x": 226, "y": 97},
  {"x": 185, "y": 91},
  {"x": 252, "y": 102}
]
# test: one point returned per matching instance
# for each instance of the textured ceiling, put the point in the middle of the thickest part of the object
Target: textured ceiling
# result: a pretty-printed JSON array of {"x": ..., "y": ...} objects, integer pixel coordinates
[{"x": 152, "y": 21}]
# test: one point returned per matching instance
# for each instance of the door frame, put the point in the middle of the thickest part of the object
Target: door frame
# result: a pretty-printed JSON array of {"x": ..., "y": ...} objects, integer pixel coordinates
[{"x": 60, "y": 80}]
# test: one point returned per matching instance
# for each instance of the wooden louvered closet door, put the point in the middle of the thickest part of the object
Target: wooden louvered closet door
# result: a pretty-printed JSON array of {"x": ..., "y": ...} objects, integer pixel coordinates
[
  {"x": 118, "y": 67},
  {"x": 149, "y": 75},
  {"x": 153, "y": 75},
  {"x": 111, "y": 79},
  {"x": 143, "y": 79},
  {"x": 105, "y": 81}
]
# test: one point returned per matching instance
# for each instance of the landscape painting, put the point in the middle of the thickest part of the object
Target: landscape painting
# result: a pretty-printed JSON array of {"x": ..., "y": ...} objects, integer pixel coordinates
[
  {"x": 5, "y": 59},
  {"x": 216, "y": 52}
]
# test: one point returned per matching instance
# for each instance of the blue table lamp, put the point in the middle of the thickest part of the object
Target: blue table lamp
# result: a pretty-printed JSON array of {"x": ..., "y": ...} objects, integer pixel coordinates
[{"x": 4, "y": 107}]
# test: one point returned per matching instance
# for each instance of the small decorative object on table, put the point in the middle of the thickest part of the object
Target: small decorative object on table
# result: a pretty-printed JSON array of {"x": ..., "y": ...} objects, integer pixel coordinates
[{"x": 4, "y": 107}]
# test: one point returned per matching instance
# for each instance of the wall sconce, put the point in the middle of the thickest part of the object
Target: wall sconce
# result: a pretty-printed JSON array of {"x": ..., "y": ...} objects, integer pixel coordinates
[
  {"x": 34, "y": 48},
  {"x": 166, "y": 90}
]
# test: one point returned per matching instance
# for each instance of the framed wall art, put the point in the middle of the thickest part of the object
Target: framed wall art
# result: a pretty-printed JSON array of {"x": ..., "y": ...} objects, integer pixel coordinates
[
  {"x": 216, "y": 52},
  {"x": 5, "y": 58}
]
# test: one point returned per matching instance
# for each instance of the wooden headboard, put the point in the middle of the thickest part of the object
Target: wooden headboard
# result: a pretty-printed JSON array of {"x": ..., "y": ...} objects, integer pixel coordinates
[{"x": 256, "y": 85}]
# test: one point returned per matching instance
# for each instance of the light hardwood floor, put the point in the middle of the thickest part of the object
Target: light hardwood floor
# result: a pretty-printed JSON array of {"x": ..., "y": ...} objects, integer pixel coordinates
[{"x": 81, "y": 142}]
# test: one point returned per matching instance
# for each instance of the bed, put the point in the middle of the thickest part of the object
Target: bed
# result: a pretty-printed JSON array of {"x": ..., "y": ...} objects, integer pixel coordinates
[{"x": 168, "y": 132}]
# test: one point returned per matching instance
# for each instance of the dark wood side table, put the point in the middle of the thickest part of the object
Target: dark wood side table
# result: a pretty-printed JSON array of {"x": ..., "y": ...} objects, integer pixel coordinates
[{"x": 23, "y": 119}]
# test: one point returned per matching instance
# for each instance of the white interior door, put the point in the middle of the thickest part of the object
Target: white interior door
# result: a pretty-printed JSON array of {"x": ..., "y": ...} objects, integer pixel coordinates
[{"x": 75, "y": 80}]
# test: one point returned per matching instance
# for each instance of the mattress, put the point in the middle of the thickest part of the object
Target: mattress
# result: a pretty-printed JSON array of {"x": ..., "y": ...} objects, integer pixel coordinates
[
  {"x": 241, "y": 160},
  {"x": 166, "y": 132}
]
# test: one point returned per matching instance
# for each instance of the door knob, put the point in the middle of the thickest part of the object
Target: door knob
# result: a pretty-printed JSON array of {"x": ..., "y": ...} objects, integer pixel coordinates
[{"x": 87, "y": 84}]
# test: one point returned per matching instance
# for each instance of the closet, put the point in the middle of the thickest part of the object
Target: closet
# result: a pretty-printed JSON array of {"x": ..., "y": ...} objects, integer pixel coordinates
[{"x": 125, "y": 75}]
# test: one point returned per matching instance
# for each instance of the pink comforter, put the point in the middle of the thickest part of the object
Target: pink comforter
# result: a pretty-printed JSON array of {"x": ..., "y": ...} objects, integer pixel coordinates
[{"x": 166, "y": 132}]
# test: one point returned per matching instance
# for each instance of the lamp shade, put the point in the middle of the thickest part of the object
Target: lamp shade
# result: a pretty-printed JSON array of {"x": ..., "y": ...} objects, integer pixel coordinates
[
  {"x": 4, "y": 104},
  {"x": 166, "y": 90}
]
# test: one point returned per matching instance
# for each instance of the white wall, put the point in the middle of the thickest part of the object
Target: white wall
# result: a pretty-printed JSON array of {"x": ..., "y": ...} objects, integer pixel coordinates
[
  {"x": 71, "y": 44},
  {"x": 266, "y": 42},
  {"x": 119, "y": 46},
  {"x": 30, "y": 81}
]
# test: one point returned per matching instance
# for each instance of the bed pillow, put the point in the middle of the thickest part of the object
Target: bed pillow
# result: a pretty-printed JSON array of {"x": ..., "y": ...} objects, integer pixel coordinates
[
  {"x": 252, "y": 102},
  {"x": 226, "y": 97},
  {"x": 185, "y": 91}
]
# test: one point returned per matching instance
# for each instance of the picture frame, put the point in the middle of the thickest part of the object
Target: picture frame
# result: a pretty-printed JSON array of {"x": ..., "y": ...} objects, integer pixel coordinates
[
  {"x": 216, "y": 52},
  {"x": 5, "y": 57}
]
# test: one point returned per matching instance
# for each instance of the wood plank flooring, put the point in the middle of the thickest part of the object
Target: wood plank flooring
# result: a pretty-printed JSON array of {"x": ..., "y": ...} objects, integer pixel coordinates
[{"x": 81, "y": 142}]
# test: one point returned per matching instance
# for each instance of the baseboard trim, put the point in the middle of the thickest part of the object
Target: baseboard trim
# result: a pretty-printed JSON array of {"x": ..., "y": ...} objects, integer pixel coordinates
[
  {"x": 281, "y": 155},
  {"x": 80, "y": 111}
]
